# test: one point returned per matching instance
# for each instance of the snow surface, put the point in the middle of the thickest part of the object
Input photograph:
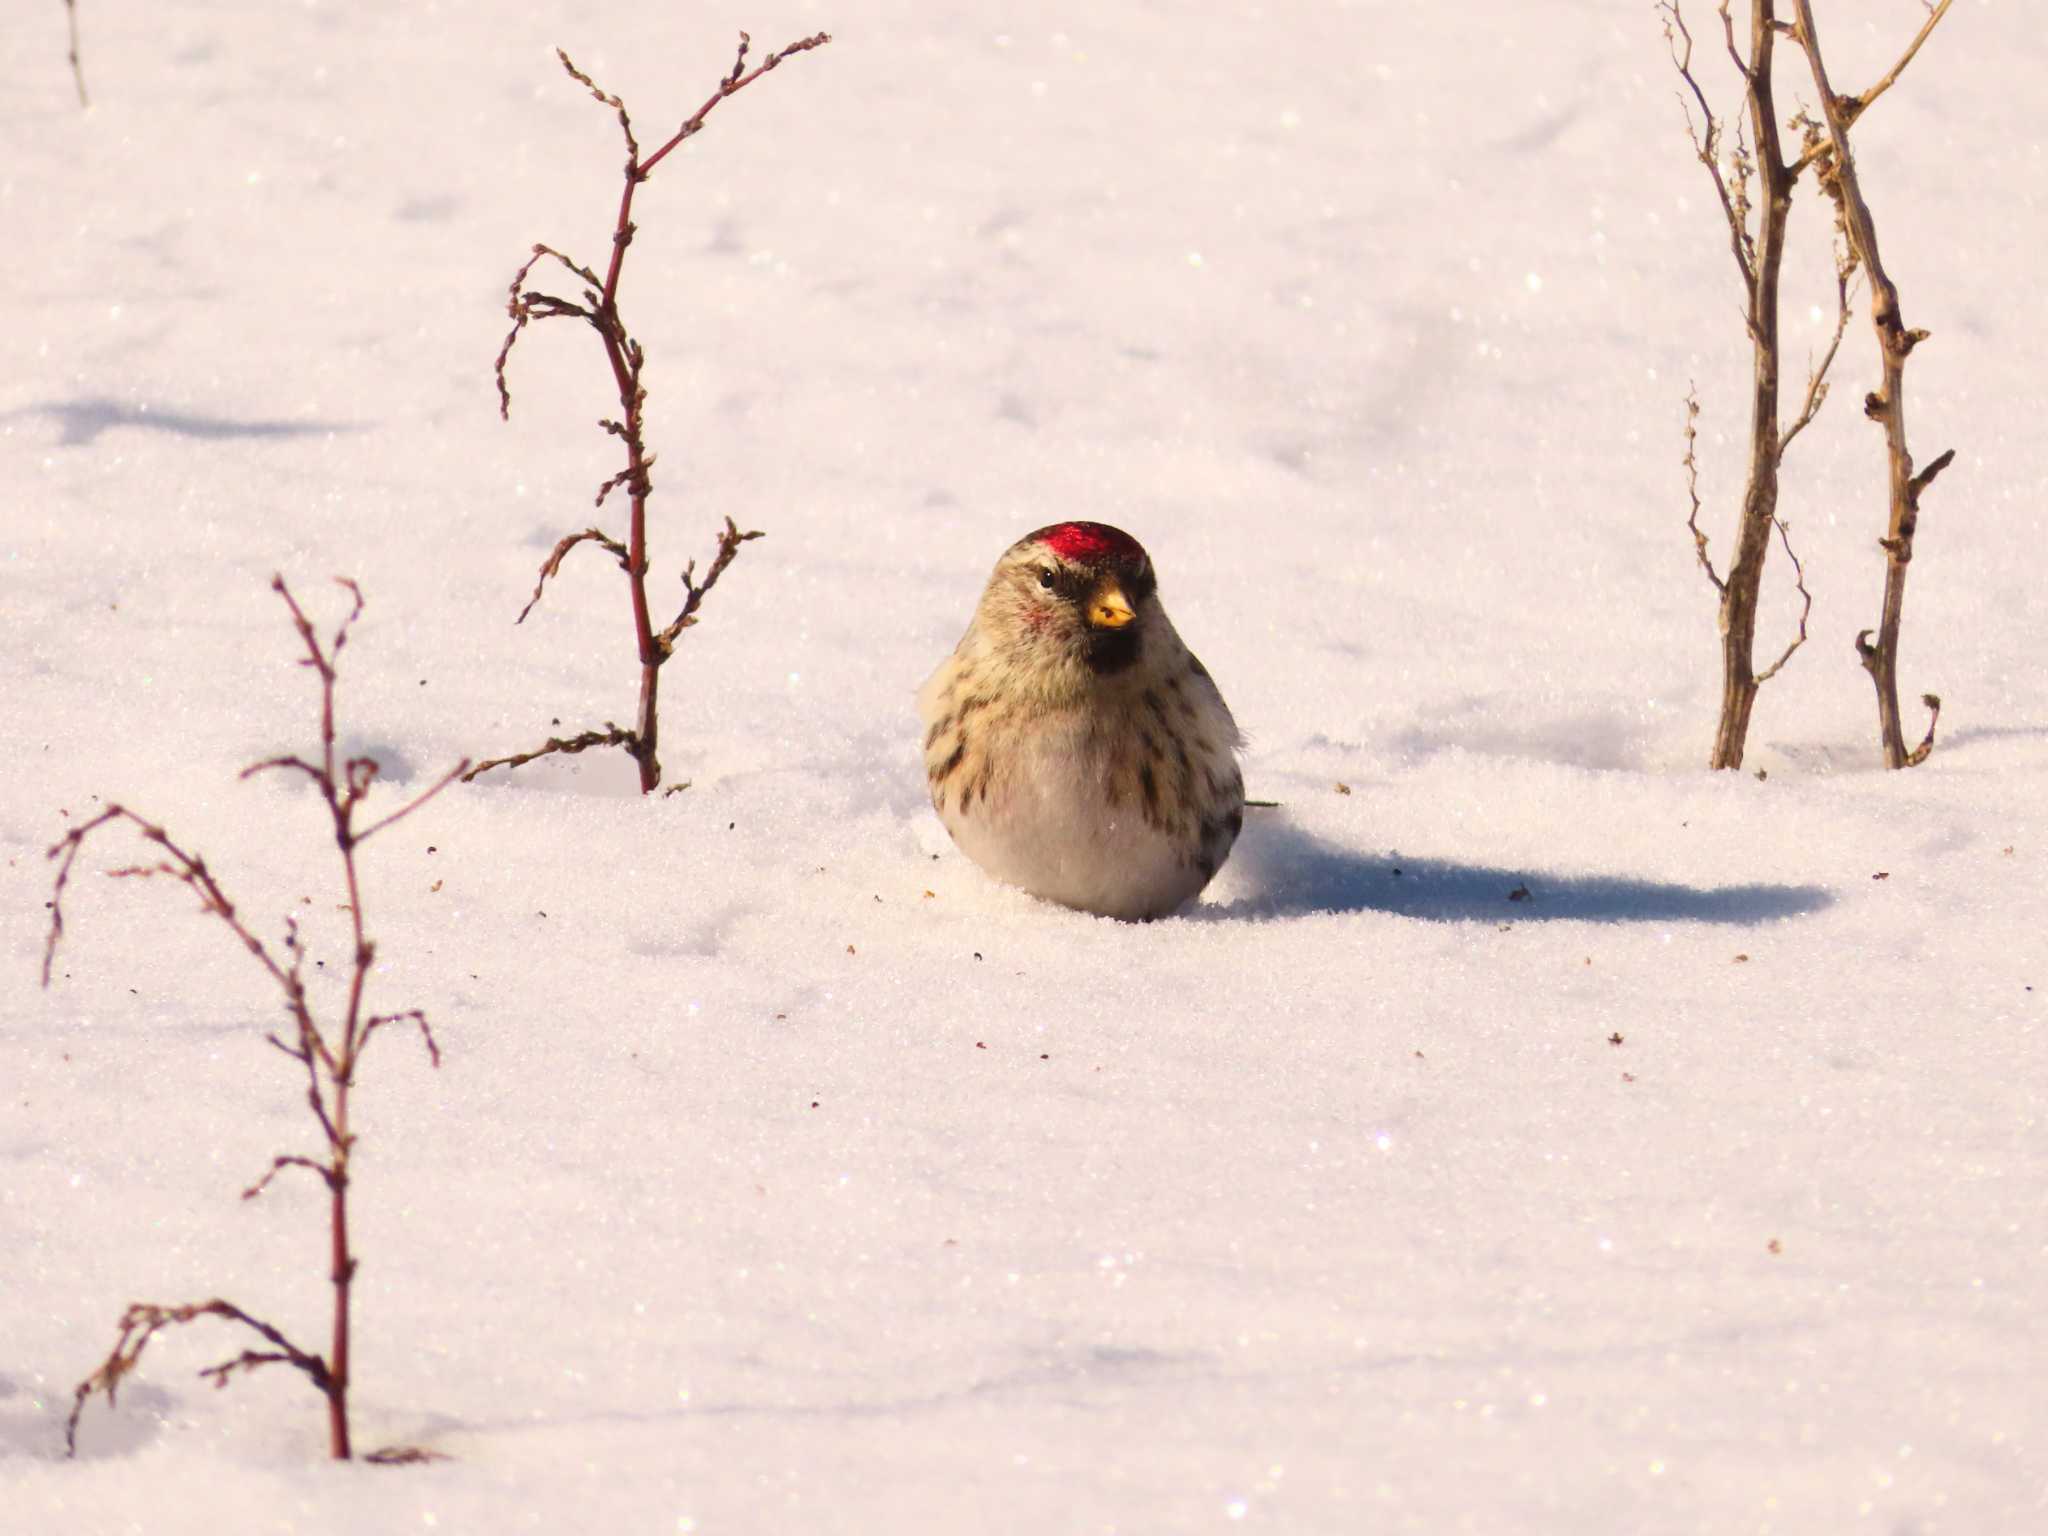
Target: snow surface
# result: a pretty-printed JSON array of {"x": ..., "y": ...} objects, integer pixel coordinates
[{"x": 785, "y": 1175}]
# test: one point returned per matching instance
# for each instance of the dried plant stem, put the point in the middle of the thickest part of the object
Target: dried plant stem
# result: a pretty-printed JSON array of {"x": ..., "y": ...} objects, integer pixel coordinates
[
  {"x": 1806, "y": 600},
  {"x": 1759, "y": 255},
  {"x": 1759, "y": 156},
  {"x": 77, "y": 68},
  {"x": 610, "y": 736},
  {"x": 329, "y": 1057},
  {"x": 598, "y": 307},
  {"x": 1887, "y": 404}
]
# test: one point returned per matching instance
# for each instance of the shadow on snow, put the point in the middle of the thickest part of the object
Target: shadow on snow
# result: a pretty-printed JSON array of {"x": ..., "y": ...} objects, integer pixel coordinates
[
  {"x": 1281, "y": 871},
  {"x": 82, "y": 421}
]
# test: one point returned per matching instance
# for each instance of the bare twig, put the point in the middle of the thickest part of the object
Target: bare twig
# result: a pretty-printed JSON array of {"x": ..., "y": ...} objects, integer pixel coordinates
[
  {"x": 1806, "y": 599},
  {"x": 1919, "y": 754},
  {"x": 403, "y": 1456},
  {"x": 1853, "y": 107},
  {"x": 1759, "y": 254},
  {"x": 598, "y": 307},
  {"x": 77, "y": 69},
  {"x": 418, "y": 800},
  {"x": 1692, "y": 490},
  {"x": 188, "y": 868},
  {"x": 144, "y": 1320},
  {"x": 1887, "y": 404},
  {"x": 328, "y": 1057},
  {"x": 1817, "y": 373},
  {"x": 1706, "y": 141},
  {"x": 729, "y": 541},
  {"x": 289, "y": 1160},
  {"x": 521, "y": 305},
  {"x": 410, "y": 1016},
  {"x": 610, "y": 736},
  {"x": 552, "y": 566}
]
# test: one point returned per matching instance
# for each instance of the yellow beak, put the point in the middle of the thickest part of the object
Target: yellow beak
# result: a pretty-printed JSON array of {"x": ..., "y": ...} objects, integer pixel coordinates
[{"x": 1109, "y": 608}]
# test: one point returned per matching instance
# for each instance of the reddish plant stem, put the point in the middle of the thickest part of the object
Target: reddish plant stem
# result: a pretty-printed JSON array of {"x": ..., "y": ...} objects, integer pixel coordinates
[
  {"x": 330, "y": 1062},
  {"x": 601, "y": 309}
]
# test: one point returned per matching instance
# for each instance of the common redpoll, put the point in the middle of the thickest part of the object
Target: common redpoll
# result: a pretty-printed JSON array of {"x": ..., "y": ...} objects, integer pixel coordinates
[{"x": 1074, "y": 746}]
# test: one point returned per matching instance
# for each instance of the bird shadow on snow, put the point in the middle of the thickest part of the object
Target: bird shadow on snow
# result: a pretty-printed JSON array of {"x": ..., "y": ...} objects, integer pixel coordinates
[{"x": 1278, "y": 870}]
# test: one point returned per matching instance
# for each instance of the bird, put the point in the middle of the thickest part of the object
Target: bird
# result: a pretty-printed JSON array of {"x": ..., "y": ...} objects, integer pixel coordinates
[{"x": 1074, "y": 747}]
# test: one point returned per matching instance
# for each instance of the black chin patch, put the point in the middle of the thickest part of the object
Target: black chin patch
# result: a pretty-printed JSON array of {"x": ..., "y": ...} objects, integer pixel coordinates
[{"x": 1112, "y": 650}]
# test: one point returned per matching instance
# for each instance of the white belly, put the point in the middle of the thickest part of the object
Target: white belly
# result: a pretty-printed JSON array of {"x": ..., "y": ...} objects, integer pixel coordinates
[{"x": 1047, "y": 824}]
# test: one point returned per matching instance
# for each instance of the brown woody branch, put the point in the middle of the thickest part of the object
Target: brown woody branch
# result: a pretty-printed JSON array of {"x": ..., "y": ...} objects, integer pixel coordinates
[
  {"x": 1806, "y": 600},
  {"x": 610, "y": 736},
  {"x": 1846, "y": 263},
  {"x": 1757, "y": 231},
  {"x": 1887, "y": 404},
  {"x": 1759, "y": 255},
  {"x": 1853, "y": 107},
  {"x": 1691, "y": 464},
  {"x": 1706, "y": 138}
]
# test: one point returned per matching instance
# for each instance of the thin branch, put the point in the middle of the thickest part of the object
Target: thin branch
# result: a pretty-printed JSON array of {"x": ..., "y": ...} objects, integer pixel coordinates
[
  {"x": 433, "y": 789},
  {"x": 410, "y": 1016},
  {"x": 610, "y": 736},
  {"x": 739, "y": 65},
  {"x": 522, "y": 306},
  {"x": 552, "y": 566},
  {"x": 731, "y": 84},
  {"x": 618, "y": 106},
  {"x": 1886, "y": 405},
  {"x": 404, "y": 1456},
  {"x": 1805, "y": 612},
  {"x": 321, "y": 661},
  {"x": 187, "y": 868},
  {"x": 318, "y": 1104},
  {"x": 1935, "y": 466},
  {"x": 1743, "y": 67},
  {"x": 278, "y": 1165},
  {"x": 296, "y": 1052},
  {"x": 1692, "y": 490},
  {"x": 729, "y": 541},
  {"x": 296, "y": 764},
  {"x": 1817, "y": 376},
  {"x": 1853, "y": 107},
  {"x": 1707, "y": 145},
  {"x": 77, "y": 69},
  {"x": 626, "y": 358},
  {"x": 329, "y": 1069},
  {"x": 144, "y": 1320},
  {"x": 1919, "y": 754}
]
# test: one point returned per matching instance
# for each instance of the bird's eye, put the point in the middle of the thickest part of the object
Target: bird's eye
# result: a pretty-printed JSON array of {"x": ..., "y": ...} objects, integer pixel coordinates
[{"x": 1047, "y": 580}]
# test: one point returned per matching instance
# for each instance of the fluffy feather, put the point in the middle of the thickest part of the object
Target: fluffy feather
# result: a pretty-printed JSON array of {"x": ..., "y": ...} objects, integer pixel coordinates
[{"x": 1073, "y": 744}]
